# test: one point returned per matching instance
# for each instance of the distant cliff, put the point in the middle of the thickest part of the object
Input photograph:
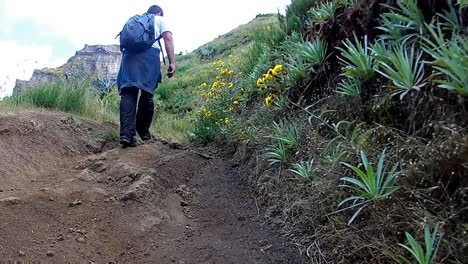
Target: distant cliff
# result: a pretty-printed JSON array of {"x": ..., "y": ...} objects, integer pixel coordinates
[{"x": 94, "y": 62}]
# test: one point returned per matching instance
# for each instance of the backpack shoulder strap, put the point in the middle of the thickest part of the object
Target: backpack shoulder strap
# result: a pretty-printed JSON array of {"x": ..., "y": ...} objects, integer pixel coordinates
[{"x": 161, "y": 49}]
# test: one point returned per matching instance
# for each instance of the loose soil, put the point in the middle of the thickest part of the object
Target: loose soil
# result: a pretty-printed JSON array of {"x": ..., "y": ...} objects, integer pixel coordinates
[{"x": 68, "y": 195}]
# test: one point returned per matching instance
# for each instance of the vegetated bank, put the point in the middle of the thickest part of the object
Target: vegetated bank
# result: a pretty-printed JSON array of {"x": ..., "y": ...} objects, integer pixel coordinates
[{"x": 351, "y": 119}]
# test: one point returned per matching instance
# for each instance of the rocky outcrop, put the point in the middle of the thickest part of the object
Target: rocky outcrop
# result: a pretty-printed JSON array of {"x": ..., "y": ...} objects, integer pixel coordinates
[{"x": 98, "y": 63}]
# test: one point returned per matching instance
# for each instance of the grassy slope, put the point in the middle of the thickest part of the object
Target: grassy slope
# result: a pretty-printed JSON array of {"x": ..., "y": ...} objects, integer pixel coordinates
[{"x": 176, "y": 102}]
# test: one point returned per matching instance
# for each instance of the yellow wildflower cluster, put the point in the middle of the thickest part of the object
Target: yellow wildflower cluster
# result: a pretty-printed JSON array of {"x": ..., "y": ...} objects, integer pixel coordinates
[
  {"x": 205, "y": 112},
  {"x": 223, "y": 120},
  {"x": 217, "y": 111},
  {"x": 271, "y": 74},
  {"x": 223, "y": 81},
  {"x": 269, "y": 82}
]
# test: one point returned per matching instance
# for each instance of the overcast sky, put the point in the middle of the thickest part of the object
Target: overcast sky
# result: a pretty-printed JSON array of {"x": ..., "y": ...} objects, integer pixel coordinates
[{"x": 45, "y": 33}]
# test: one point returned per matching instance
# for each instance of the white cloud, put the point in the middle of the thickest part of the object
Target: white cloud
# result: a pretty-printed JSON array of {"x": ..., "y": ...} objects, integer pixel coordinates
[
  {"x": 98, "y": 22},
  {"x": 19, "y": 62}
]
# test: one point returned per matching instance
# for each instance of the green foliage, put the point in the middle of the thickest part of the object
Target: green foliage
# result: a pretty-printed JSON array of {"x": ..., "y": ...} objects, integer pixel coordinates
[
  {"x": 350, "y": 138},
  {"x": 450, "y": 60},
  {"x": 304, "y": 169},
  {"x": 431, "y": 242},
  {"x": 218, "y": 102},
  {"x": 303, "y": 56},
  {"x": 255, "y": 59},
  {"x": 322, "y": 13},
  {"x": 403, "y": 23},
  {"x": 404, "y": 68},
  {"x": 392, "y": 31},
  {"x": 313, "y": 52},
  {"x": 277, "y": 153},
  {"x": 350, "y": 87},
  {"x": 46, "y": 95},
  {"x": 462, "y": 3},
  {"x": 296, "y": 15},
  {"x": 67, "y": 97},
  {"x": 298, "y": 70},
  {"x": 109, "y": 135},
  {"x": 172, "y": 127},
  {"x": 73, "y": 98},
  {"x": 287, "y": 137},
  {"x": 288, "y": 134},
  {"x": 357, "y": 59},
  {"x": 451, "y": 21},
  {"x": 371, "y": 185}
]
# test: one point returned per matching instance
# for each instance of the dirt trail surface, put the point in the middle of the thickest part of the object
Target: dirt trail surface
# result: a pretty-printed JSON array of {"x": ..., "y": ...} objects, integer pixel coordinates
[{"x": 69, "y": 196}]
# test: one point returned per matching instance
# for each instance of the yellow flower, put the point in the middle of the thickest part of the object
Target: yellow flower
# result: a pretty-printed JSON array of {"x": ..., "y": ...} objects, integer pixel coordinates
[
  {"x": 278, "y": 68},
  {"x": 230, "y": 85},
  {"x": 267, "y": 77},
  {"x": 226, "y": 120},
  {"x": 235, "y": 102},
  {"x": 259, "y": 82},
  {"x": 231, "y": 72},
  {"x": 263, "y": 88},
  {"x": 231, "y": 108},
  {"x": 209, "y": 114},
  {"x": 270, "y": 99}
]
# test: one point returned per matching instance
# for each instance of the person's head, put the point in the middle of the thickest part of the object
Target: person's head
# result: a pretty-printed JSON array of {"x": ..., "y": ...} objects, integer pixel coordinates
[{"x": 155, "y": 10}]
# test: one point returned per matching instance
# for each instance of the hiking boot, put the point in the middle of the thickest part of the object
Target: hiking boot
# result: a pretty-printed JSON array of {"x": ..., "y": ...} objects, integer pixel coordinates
[
  {"x": 147, "y": 137},
  {"x": 126, "y": 142}
]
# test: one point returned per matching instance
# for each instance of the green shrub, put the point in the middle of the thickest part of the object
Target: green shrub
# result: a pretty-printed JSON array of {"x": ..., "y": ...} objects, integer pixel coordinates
[
  {"x": 450, "y": 60},
  {"x": 313, "y": 52},
  {"x": 371, "y": 185},
  {"x": 350, "y": 87},
  {"x": 304, "y": 169},
  {"x": 357, "y": 59},
  {"x": 431, "y": 242},
  {"x": 405, "y": 68},
  {"x": 402, "y": 23},
  {"x": 322, "y": 13}
]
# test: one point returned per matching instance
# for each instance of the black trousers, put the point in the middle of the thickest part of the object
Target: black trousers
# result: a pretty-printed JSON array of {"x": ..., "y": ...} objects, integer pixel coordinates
[{"x": 135, "y": 119}]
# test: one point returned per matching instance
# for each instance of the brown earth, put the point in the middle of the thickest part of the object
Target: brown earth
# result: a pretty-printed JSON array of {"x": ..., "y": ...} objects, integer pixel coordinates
[{"x": 67, "y": 195}]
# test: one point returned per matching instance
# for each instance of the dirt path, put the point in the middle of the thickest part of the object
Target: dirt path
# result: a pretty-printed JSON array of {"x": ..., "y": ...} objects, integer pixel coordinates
[{"x": 67, "y": 196}]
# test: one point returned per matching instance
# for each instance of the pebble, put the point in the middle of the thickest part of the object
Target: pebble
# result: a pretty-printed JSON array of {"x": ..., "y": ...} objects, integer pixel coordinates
[
  {"x": 21, "y": 253},
  {"x": 50, "y": 253},
  {"x": 80, "y": 240}
]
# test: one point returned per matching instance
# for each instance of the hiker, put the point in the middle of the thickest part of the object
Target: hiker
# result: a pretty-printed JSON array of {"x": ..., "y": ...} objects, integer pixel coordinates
[{"x": 138, "y": 78}]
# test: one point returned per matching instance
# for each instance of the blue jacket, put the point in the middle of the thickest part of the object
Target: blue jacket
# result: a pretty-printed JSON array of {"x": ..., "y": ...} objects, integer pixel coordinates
[{"x": 141, "y": 70}]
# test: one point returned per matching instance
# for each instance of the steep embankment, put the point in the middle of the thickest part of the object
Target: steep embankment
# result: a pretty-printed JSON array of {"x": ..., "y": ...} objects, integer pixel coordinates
[{"x": 70, "y": 195}]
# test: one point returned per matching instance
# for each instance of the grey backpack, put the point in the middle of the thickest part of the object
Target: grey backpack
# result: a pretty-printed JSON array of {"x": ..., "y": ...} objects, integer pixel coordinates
[{"x": 138, "y": 33}]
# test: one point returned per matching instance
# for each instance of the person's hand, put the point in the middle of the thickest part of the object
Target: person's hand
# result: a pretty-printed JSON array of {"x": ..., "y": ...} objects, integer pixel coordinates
[{"x": 171, "y": 70}]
